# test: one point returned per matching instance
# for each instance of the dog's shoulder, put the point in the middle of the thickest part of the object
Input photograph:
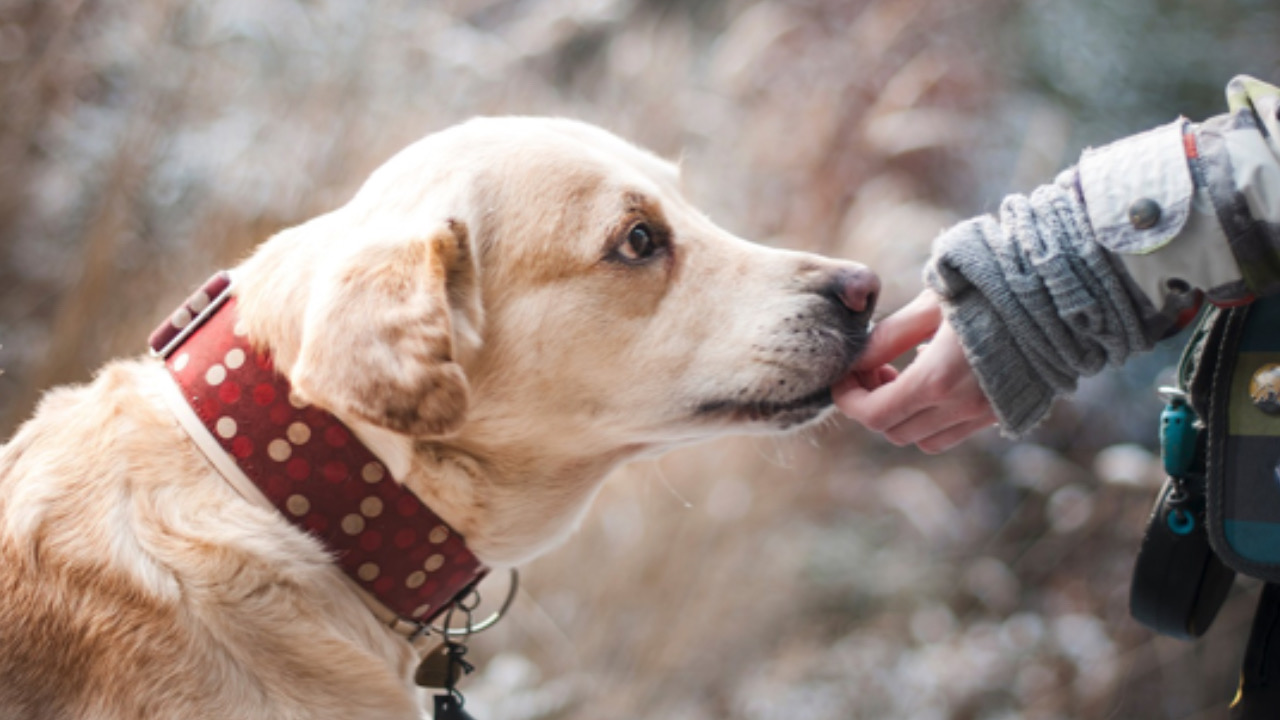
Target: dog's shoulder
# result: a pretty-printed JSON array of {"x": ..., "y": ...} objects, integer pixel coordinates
[
  {"x": 78, "y": 618},
  {"x": 131, "y": 573}
]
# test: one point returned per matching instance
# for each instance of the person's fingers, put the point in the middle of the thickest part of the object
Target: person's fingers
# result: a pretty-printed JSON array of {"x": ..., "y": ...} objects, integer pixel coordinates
[
  {"x": 902, "y": 331},
  {"x": 869, "y": 379},
  {"x": 865, "y": 379},
  {"x": 925, "y": 424},
  {"x": 954, "y": 435},
  {"x": 886, "y": 374},
  {"x": 915, "y": 323},
  {"x": 886, "y": 406},
  {"x": 849, "y": 395},
  {"x": 935, "y": 403}
]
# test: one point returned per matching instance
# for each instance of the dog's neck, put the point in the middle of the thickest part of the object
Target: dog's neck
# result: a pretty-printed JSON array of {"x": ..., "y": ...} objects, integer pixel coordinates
[
  {"x": 277, "y": 450},
  {"x": 512, "y": 503},
  {"x": 489, "y": 491}
]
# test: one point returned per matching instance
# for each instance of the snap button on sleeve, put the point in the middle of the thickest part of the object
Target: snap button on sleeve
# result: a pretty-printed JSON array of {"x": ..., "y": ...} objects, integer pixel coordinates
[
  {"x": 1144, "y": 214},
  {"x": 1138, "y": 191}
]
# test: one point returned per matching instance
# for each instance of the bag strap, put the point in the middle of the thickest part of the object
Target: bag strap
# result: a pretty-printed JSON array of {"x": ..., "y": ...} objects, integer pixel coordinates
[{"x": 1258, "y": 697}]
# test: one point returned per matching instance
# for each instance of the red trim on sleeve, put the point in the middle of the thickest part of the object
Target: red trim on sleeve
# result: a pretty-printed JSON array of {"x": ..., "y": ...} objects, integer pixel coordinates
[
  {"x": 1189, "y": 144},
  {"x": 1238, "y": 302}
]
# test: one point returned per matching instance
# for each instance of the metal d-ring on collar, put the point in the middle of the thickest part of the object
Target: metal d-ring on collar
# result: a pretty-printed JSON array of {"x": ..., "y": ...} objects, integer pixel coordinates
[{"x": 446, "y": 631}]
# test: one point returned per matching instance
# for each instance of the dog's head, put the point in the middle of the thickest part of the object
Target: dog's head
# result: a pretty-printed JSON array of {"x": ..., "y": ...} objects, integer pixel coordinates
[{"x": 538, "y": 295}]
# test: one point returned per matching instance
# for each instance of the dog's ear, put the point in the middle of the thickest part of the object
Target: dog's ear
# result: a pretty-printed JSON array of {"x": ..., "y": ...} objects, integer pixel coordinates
[{"x": 378, "y": 337}]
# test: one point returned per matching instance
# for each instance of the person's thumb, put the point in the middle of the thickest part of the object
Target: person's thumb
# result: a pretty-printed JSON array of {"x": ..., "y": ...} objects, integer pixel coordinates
[{"x": 905, "y": 329}]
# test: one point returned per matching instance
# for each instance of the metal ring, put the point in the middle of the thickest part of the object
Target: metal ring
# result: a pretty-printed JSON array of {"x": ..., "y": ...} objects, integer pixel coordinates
[{"x": 489, "y": 621}]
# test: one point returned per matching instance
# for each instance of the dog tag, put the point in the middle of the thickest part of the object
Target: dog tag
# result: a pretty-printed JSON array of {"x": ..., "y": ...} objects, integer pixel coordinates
[
  {"x": 447, "y": 707},
  {"x": 436, "y": 670}
]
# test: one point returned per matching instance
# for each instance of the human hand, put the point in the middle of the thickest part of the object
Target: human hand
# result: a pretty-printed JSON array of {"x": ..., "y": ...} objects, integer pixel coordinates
[{"x": 936, "y": 402}]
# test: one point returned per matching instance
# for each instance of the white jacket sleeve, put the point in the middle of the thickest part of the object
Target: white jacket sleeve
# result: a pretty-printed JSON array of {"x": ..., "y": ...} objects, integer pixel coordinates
[{"x": 1195, "y": 206}]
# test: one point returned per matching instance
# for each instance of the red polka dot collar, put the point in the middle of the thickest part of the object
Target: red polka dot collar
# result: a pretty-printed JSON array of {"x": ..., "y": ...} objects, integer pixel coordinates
[{"x": 308, "y": 465}]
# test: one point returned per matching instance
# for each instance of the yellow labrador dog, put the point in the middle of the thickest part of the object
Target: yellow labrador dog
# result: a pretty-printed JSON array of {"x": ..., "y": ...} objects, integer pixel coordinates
[{"x": 504, "y": 312}]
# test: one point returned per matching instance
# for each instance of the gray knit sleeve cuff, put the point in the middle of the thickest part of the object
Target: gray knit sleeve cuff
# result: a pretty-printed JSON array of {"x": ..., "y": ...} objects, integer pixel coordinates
[
  {"x": 1019, "y": 395},
  {"x": 1036, "y": 302}
]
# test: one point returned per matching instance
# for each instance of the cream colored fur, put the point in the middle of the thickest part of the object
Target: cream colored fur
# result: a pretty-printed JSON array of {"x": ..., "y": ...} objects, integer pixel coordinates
[{"x": 472, "y": 315}]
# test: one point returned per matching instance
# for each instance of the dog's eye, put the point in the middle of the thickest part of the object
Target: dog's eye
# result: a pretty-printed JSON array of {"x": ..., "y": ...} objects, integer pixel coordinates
[{"x": 640, "y": 243}]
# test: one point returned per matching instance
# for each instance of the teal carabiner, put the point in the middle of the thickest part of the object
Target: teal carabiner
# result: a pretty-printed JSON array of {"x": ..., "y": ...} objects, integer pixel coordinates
[{"x": 1177, "y": 433}]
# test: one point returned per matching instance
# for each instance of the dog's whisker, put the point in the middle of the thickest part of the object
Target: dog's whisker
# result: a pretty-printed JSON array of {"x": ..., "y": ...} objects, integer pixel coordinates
[
  {"x": 778, "y": 458},
  {"x": 545, "y": 627},
  {"x": 662, "y": 478}
]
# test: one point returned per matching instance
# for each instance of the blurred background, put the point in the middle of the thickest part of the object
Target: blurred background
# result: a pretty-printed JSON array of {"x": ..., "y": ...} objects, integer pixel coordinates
[{"x": 144, "y": 144}]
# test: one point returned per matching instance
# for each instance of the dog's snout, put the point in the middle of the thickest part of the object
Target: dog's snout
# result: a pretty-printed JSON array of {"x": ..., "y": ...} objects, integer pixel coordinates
[{"x": 857, "y": 288}]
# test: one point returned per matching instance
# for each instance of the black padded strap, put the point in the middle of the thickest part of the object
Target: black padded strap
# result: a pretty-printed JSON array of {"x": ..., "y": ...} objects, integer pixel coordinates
[{"x": 1259, "y": 695}]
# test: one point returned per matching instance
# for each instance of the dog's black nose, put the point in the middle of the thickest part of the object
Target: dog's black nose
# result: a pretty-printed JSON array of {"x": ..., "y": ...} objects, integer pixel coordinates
[{"x": 857, "y": 287}]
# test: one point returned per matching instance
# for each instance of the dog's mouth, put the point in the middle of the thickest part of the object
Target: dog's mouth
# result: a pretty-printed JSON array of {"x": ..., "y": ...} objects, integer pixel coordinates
[
  {"x": 826, "y": 361},
  {"x": 781, "y": 414}
]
